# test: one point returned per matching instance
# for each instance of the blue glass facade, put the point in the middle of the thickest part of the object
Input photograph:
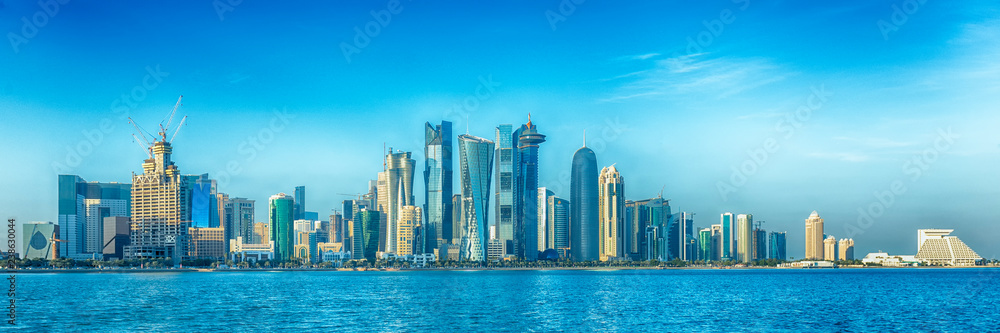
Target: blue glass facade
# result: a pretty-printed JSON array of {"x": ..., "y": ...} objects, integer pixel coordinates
[
  {"x": 727, "y": 236},
  {"x": 438, "y": 174},
  {"x": 505, "y": 185},
  {"x": 299, "y": 211},
  {"x": 366, "y": 234},
  {"x": 583, "y": 206},
  {"x": 776, "y": 249},
  {"x": 75, "y": 222},
  {"x": 204, "y": 202},
  {"x": 526, "y": 192},
  {"x": 476, "y": 158}
]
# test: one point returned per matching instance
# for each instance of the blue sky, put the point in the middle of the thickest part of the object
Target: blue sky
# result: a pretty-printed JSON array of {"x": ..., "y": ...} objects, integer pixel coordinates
[{"x": 676, "y": 94}]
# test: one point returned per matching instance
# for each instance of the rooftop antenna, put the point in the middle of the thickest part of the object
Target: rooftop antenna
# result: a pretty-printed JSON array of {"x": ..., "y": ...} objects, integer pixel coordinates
[
  {"x": 584, "y": 138},
  {"x": 467, "y": 124}
]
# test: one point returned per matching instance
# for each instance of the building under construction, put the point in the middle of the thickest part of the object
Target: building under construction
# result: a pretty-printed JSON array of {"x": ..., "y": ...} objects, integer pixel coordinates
[{"x": 159, "y": 227}]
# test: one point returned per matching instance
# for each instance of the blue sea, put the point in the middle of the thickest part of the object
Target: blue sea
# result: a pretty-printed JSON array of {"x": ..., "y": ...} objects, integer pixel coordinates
[{"x": 553, "y": 300}]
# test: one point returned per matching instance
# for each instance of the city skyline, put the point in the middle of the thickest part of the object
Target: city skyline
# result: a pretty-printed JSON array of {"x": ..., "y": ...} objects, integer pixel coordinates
[{"x": 686, "y": 137}]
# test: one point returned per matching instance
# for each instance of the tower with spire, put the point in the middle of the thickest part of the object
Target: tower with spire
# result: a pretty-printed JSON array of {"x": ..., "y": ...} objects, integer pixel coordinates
[{"x": 526, "y": 192}]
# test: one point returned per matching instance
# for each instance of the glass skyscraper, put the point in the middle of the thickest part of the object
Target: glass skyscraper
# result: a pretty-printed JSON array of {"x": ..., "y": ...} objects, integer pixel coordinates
[
  {"x": 680, "y": 236},
  {"x": 650, "y": 220},
  {"x": 728, "y": 241},
  {"x": 438, "y": 174},
  {"x": 300, "y": 203},
  {"x": 280, "y": 212},
  {"x": 526, "y": 192},
  {"x": 365, "y": 234},
  {"x": 476, "y": 159},
  {"x": 558, "y": 225},
  {"x": 82, "y": 208},
  {"x": 705, "y": 244},
  {"x": 584, "y": 232},
  {"x": 776, "y": 249},
  {"x": 204, "y": 203},
  {"x": 505, "y": 184}
]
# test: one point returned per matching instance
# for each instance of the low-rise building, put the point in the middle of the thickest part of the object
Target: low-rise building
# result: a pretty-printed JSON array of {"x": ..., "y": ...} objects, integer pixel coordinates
[
  {"x": 239, "y": 251},
  {"x": 884, "y": 259}
]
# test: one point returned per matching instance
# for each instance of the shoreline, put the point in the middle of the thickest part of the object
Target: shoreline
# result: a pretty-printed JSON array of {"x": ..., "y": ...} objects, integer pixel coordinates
[{"x": 448, "y": 269}]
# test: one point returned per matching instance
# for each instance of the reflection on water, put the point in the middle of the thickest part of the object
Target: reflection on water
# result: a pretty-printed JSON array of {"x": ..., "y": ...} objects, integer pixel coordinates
[{"x": 623, "y": 300}]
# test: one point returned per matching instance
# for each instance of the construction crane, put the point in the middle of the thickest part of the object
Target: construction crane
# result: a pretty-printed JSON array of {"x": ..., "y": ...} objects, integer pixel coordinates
[
  {"x": 356, "y": 195},
  {"x": 145, "y": 142},
  {"x": 164, "y": 129}
]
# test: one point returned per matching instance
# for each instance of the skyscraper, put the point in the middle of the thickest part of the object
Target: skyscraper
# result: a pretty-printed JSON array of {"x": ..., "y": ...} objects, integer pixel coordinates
[
  {"x": 728, "y": 241},
  {"x": 407, "y": 235},
  {"x": 830, "y": 249},
  {"x": 338, "y": 228},
  {"x": 300, "y": 203},
  {"x": 281, "y": 208},
  {"x": 506, "y": 181},
  {"x": 397, "y": 192},
  {"x": 777, "y": 246},
  {"x": 705, "y": 244},
  {"x": 438, "y": 174},
  {"x": 457, "y": 221},
  {"x": 611, "y": 212},
  {"x": 476, "y": 156},
  {"x": 584, "y": 230},
  {"x": 159, "y": 211},
  {"x": 846, "y": 249},
  {"x": 759, "y": 244},
  {"x": 558, "y": 225},
  {"x": 82, "y": 209},
  {"x": 680, "y": 236},
  {"x": 716, "y": 242},
  {"x": 544, "y": 223},
  {"x": 365, "y": 234},
  {"x": 744, "y": 237},
  {"x": 526, "y": 191},
  {"x": 239, "y": 219},
  {"x": 650, "y": 220},
  {"x": 203, "y": 203},
  {"x": 814, "y": 237}
]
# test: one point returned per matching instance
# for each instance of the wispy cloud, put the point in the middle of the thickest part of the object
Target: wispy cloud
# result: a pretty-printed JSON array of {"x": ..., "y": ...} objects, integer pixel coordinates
[
  {"x": 845, "y": 157},
  {"x": 718, "y": 77},
  {"x": 760, "y": 115},
  {"x": 644, "y": 56},
  {"x": 877, "y": 143}
]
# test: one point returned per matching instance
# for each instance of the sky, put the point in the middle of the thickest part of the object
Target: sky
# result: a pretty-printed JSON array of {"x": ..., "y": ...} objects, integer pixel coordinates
[{"x": 880, "y": 115}]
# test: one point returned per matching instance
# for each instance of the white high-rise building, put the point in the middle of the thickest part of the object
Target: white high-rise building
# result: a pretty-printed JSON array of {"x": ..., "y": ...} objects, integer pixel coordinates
[{"x": 545, "y": 238}]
